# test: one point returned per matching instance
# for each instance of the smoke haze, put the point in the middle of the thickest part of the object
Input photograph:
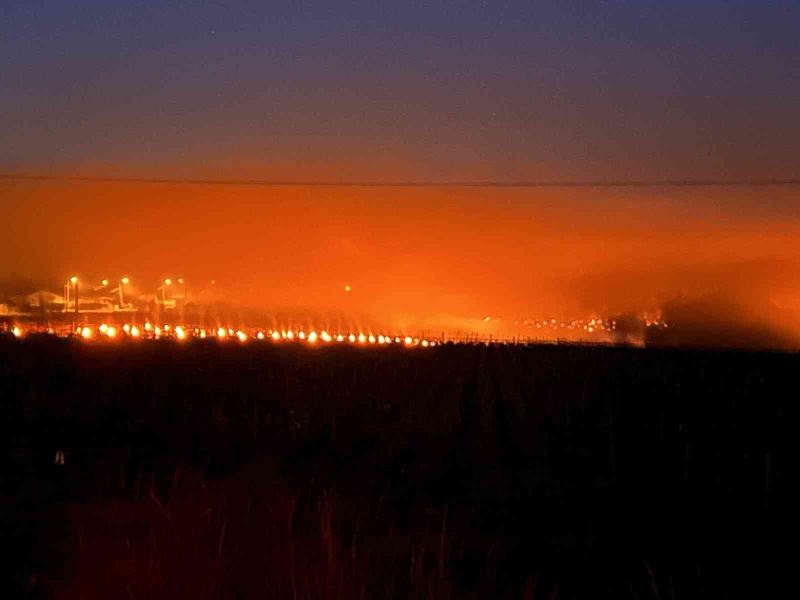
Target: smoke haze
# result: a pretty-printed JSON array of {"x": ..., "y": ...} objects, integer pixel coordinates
[{"x": 424, "y": 257}]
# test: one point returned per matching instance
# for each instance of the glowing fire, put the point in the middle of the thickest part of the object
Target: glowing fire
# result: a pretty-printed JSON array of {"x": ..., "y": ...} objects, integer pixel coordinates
[{"x": 183, "y": 332}]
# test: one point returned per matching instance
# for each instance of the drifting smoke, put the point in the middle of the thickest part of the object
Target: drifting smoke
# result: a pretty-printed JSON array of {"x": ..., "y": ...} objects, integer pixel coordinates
[
  {"x": 720, "y": 265},
  {"x": 716, "y": 320}
]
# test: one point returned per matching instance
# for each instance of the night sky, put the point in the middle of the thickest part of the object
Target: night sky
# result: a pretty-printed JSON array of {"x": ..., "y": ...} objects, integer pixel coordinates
[
  {"x": 430, "y": 90},
  {"x": 423, "y": 91}
]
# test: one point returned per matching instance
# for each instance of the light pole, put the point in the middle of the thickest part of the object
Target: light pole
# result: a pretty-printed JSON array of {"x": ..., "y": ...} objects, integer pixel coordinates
[
  {"x": 167, "y": 283},
  {"x": 182, "y": 281},
  {"x": 122, "y": 282},
  {"x": 74, "y": 281}
]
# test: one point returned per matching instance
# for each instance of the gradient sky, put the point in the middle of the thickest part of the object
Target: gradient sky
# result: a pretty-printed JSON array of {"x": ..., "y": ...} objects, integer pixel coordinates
[{"x": 431, "y": 91}]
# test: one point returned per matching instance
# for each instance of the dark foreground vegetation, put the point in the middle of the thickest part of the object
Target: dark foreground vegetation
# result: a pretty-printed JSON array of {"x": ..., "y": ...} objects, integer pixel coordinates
[{"x": 213, "y": 470}]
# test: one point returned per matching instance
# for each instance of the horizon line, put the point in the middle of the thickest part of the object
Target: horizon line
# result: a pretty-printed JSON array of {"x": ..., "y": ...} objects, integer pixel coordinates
[{"x": 404, "y": 183}]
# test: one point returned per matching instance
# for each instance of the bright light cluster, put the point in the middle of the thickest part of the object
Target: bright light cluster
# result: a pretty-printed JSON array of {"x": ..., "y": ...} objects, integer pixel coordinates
[
  {"x": 106, "y": 331},
  {"x": 590, "y": 325}
]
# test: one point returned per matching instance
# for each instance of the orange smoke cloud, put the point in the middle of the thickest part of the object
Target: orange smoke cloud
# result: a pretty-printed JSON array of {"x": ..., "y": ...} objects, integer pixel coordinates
[{"x": 415, "y": 256}]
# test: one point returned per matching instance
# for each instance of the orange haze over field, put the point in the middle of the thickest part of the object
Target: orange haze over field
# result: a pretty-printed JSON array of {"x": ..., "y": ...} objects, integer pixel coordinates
[{"x": 432, "y": 256}]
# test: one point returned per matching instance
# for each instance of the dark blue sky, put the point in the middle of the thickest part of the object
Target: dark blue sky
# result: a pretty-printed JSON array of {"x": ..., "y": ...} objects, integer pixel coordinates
[{"x": 430, "y": 90}]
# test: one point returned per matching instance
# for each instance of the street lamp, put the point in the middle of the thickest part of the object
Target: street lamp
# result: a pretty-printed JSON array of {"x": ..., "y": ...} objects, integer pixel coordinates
[
  {"x": 182, "y": 281},
  {"x": 74, "y": 281},
  {"x": 164, "y": 286},
  {"x": 122, "y": 282}
]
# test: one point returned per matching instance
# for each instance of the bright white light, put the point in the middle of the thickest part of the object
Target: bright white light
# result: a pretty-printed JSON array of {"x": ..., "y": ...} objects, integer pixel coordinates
[
  {"x": 312, "y": 337},
  {"x": 276, "y": 336},
  {"x": 103, "y": 328},
  {"x": 260, "y": 335},
  {"x": 134, "y": 331},
  {"x": 290, "y": 334},
  {"x": 242, "y": 336},
  {"x": 361, "y": 338},
  {"x": 351, "y": 338},
  {"x": 180, "y": 333},
  {"x": 17, "y": 332},
  {"x": 221, "y": 333},
  {"x": 147, "y": 327},
  {"x": 111, "y": 332},
  {"x": 86, "y": 333},
  {"x": 126, "y": 328},
  {"x": 326, "y": 337},
  {"x": 302, "y": 335}
]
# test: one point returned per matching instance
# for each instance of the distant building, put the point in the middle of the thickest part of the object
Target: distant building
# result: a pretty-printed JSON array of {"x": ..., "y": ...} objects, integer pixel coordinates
[{"x": 44, "y": 299}]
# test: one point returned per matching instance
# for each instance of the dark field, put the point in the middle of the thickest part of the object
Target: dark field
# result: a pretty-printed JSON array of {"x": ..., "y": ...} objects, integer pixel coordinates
[{"x": 211, "y": 470}]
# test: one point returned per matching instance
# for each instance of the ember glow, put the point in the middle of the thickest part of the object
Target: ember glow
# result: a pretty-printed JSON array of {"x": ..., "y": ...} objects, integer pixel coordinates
[{"x": 111, "y": 333}]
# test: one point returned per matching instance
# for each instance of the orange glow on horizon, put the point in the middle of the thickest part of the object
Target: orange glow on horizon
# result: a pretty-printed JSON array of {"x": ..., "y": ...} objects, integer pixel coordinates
[{"x": 417, "y": 261}]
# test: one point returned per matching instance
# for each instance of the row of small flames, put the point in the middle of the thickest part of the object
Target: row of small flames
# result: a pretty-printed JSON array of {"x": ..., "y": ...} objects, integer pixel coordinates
[{"x": 180, "y": 332}]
